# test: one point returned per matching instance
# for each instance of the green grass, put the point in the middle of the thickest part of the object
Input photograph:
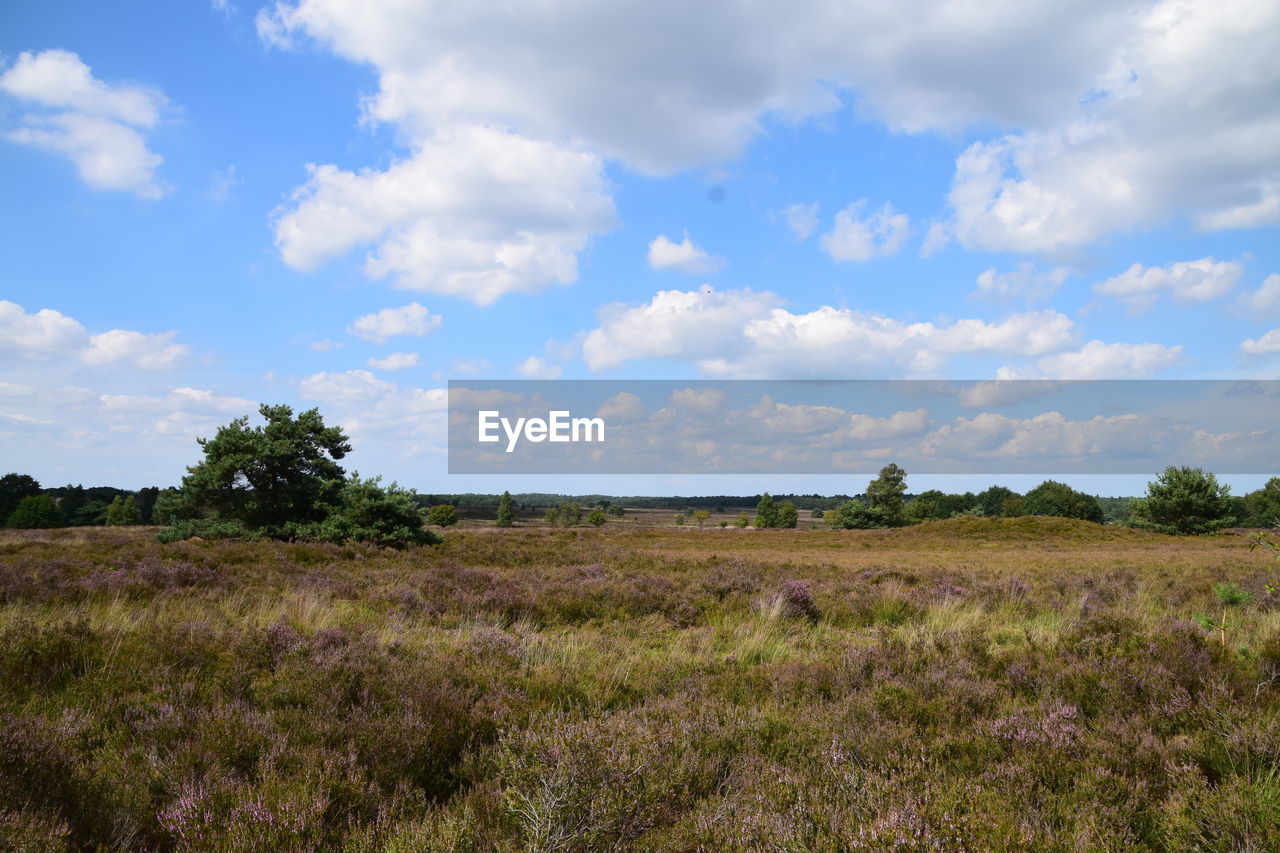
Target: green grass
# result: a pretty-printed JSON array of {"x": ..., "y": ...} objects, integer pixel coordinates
[{"x": 974, "y": 684}]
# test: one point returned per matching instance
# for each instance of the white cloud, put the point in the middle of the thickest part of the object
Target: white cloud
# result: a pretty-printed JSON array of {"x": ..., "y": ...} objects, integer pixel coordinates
[
  {"x": 1118, "y": 114},
  {"x": 871, "y": 428},
  {"x": 98, "y": 127},
  {"x": 1188, "y": 281},
  {"x": 802, "y": 219},
  {"x": 1268, "y": 343},
  {"x": 221, "y": 183},
  {"x": 1172, "y": 124},
  {"x": 149, "y": 352},
  {"x": 353, "y": 386},
  {"x": 45, "y": 332},
  {"x": 854, "y": 238},
  {"x": 746, "y": 334},
  {"x": 1266, "y": 298},
  {"x": 394, "y": 361},
  {"x": 1026, "y": 283},
  {"x": 474, "y": 212},
  {"x": 534, "y": 367},
  {"x": 412, "y": 319},
  {"x": 674, "y": 324},
  {"x": 623, "y": 407},
  {"x": 1099, "y": 360},
  {"x": 325, "y": 345},
  {"x": 683, "y": 256}
]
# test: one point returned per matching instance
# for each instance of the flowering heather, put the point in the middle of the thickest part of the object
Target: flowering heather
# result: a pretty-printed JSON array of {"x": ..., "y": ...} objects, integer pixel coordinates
[{"x": 972, "y": 684}]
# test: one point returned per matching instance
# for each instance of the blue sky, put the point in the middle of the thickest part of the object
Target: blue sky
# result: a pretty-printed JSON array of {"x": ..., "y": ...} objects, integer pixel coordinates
[{"x": 345, "y": 205}]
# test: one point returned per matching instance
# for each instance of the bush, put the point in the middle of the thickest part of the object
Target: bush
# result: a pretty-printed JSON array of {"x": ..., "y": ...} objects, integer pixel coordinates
[
  {"x": 1054, "y": 498},
  {"x": 1183, "y": 501},
  {"x": 443, "y": 515},
  {"x": 35, "y": 511},
  {"x": 596, "y": 518}
]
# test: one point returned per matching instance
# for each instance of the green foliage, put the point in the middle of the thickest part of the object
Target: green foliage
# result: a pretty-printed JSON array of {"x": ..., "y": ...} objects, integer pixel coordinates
[
  {"x": 13, "y": 488},
  {"x": 281, "y": 481},
  {"x": 267, "y": 477},
  {"x": 919, "y": 510},
  {"x": 786, "y": 515},
  {"x": 506, "y": 514},
  {"x": 1054, "y": 498},
  {"x": 766, "y": 512},
  {"x": 35, "y": 511},
  {"x": 1262, "y": 507},
  {"x": 884, "y": 494},
  {"x": 597, "y": 517},
  {"x": 1184, "y": 501},
  {"x": 992, "y": 500},
  {"x": 679, "y": 519},
  {"x": 123, "y": 511},
  {"x": 741, "y": 520},
  {"x": 568, "y": 514},
  {"x": 367, "y": 511},
  {"x": 442, "y": 515},
  {"x": 854, "y": 515},
  {"x": 701, "y": 515}
]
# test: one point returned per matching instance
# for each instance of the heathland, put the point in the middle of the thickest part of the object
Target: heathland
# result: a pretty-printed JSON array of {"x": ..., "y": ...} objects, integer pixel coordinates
[{"x": 967, "y": 684}]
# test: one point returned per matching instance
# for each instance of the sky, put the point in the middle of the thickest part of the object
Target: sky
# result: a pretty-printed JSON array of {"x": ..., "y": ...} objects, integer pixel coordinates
[{"x": 344, "y": 204}]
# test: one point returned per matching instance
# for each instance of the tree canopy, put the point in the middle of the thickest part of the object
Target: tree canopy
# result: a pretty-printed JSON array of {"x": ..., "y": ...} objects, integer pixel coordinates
[
  {"x": 1054, "y": 498},
  {"x": 282, "y": 480},
  {"x": 1184, "y": 501}
]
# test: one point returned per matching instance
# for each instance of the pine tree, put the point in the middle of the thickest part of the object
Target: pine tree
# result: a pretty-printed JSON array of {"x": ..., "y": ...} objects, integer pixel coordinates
[{"x": 506, "y": 515}]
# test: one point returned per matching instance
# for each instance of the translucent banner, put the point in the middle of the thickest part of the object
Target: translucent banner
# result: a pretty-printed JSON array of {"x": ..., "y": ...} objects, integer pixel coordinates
[{"x": 858, "y": 426}]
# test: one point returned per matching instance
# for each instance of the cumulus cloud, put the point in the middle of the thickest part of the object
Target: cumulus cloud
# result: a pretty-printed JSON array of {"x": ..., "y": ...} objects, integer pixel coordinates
[
  {"x": 683, "y": 256},
  {"x": 1116, "y": 115},
  {"x": 1266, "y": 298},
  {"x": 395, "y": 361},
  {"x": 150, "y": 352},
  {"x": 474, "y": 212},
  {"x": 412, "y": 319},
  {"x": 674, "y": 324},
  {"x": 98, "y": 126},
  {"x": 747, "y": 334},
  {"x": 535, "y": 367},
  {"x": 1099, "y": 360},
  {"x": 1268, "y": 343},
  {"x": 48, "y": 334},
  {"x": 44, "y": 332},
  {"x": 1170, "y": 125},
  {"x": 1187, "y": 281},
  {"x": 352, "y": 386},
  {"x": 1026, "y": 283},
  {"x": 802, "y": 219},
  {"x": 858, "y": 238}
]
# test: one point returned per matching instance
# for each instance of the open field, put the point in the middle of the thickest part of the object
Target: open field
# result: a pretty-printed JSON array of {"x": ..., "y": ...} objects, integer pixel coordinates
[{"x": 972, "y": 684}]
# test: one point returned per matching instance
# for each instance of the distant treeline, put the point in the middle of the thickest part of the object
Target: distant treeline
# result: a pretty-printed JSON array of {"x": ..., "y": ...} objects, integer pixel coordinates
[
  {"x": 718, "y": 503},
  {"x": 76, "y": 506}
]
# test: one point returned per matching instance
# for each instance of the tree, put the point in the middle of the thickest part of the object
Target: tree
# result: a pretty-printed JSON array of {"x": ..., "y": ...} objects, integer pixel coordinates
[
  {"x": 567, "y": 514},
  {"x": 766, "y": 512},
  {"x": 442, "y": 515},
  {"x": 1054, "y": 498},
  {"x": 1262, "y": 507},
  {"x": 1184, "y": 501},
  {"x": 786, "y": 515},
  {"x": 884, "y": 494},
  {"x": 267, "y": 477},
  {"x": 13, "y": 488},
  {"x": 35, "y": 511},
  {"x": 854, "y": 515},
  {"x": 282, "y": 480},
  {"x": 596, "y": 518},
  {"x": 992, "y": 500},
  {"x": 919, "y": 510},
  {"x": 506, "y": 516},
  {"x": 741, "y": 520},
  {"x": 680, "y": 519},
  {"x": 701, "y": 515},
  {"x": 123, "y": 511}
]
